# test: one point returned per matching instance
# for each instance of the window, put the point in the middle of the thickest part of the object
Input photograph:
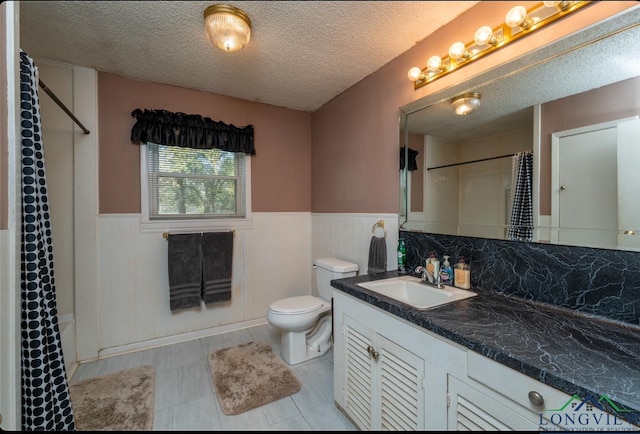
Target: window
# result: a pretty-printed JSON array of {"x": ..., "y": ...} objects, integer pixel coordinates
[{"x": 191, "y": 184}]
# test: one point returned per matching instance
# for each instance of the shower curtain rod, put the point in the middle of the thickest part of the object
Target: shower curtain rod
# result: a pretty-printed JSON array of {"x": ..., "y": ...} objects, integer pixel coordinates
[
  {"x": 473, "y": 161},
  {"x": 61, "y": 105}
]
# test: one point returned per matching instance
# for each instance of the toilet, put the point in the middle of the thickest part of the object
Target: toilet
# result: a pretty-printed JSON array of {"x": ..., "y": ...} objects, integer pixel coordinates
[{"x": 305, "y": 322}]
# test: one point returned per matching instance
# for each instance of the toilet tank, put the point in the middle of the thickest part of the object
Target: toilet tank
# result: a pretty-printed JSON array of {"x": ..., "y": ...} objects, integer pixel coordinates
[{"x": 328, "y": 269}]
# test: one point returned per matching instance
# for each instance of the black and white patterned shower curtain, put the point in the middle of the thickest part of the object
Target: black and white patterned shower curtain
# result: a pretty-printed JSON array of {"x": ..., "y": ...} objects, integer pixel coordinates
[
  {"x": 521, "y": 221},
  {"x": 46, "y": 403}
]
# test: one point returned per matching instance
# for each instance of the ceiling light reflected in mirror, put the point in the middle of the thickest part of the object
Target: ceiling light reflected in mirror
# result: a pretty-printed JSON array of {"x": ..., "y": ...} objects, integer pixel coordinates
[{"x": 466, "y": 104}]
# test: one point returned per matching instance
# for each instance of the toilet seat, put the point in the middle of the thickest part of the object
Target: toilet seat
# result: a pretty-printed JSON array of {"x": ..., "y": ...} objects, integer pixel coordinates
[{"x": 297, "y": 305}]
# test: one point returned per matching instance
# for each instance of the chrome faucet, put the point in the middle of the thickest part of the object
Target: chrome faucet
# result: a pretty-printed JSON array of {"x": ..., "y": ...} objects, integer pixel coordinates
[{"x": 428, "y": 278}]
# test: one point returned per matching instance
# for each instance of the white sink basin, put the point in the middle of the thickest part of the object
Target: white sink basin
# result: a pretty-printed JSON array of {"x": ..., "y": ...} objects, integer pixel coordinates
[{"x": 409, "y": 290}]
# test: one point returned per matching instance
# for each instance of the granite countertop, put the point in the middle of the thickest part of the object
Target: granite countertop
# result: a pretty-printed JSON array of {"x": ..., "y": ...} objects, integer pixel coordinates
[{"x": 574, "y": 353}]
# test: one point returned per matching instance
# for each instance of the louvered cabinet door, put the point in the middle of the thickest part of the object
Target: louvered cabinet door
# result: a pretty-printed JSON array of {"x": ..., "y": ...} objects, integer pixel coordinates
[
  {"x": 471, "y": 410},
  {"x": 402, "y": 394},
  {"x": 359, "y": 373}
]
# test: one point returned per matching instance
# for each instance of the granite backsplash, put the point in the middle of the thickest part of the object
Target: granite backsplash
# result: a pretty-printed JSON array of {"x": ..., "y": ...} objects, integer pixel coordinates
[{"x": 600, "y": 282}]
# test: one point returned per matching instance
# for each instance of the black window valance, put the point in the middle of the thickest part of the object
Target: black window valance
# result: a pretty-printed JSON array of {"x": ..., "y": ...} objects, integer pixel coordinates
[
  {"x": 190, "y": 131},
  {"x": 413, "y": 165}
]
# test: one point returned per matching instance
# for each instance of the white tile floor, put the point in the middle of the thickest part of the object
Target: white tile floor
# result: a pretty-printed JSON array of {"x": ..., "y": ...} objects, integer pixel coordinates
[{"x": 185, "y": 397}]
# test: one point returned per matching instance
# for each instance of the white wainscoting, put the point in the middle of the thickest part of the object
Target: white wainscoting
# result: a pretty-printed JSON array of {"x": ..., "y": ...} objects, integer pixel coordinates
[
  {"x": 272, "y": 260},
  {"x": 348, "y": 236}
]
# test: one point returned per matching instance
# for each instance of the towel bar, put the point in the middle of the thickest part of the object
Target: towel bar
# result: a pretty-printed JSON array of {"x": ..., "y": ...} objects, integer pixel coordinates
[
  {"x": 166, "y": 235},
  {"x": 379, "y": 224}
]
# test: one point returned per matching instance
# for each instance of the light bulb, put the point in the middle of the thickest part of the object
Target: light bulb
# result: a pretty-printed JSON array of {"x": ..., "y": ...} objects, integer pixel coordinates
[
  {"x": 516, "y": 17},
  {"x": 434, "y": 64},
  {"x": 484, "y": 35},
  {"x": 458, "y": 51},
  {"x": 414, "y": 73},
  {"x": 562, "y": 5}
]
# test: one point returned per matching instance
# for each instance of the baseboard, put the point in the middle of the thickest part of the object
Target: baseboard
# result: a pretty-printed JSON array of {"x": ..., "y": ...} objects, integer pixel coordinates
[{"x": 183, "y": 337}]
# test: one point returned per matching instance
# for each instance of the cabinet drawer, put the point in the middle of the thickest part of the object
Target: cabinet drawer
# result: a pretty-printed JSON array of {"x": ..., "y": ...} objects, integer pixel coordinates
[
  {"x": 471, "y": 409},
  {"x": 560, "y": 411},
  {"x": 513, "y": 384}
]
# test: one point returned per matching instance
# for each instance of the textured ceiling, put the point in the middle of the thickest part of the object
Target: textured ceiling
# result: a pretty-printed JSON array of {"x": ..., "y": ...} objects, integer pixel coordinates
[{"x": 301, "y": 53}]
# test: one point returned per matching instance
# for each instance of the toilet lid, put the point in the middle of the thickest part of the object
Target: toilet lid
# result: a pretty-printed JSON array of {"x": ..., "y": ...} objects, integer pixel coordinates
[{"x": 301, "y": 304}]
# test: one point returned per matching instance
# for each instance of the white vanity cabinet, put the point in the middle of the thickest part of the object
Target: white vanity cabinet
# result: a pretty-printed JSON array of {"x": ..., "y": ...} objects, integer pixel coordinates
[
  {"x": 390, "y": 374},
  {"x": 384, "y": 382},
  {"x": 384, "y": 375}
]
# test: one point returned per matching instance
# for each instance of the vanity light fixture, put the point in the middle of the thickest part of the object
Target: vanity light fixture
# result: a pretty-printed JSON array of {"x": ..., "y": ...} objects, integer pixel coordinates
[
  {"x": 466, "y": 104},
  {"x": 485, "y": 36},
  {"x": 415, "y": 74},
  {"x": 458, "y": 51},
  {"x": 227, "y": 27},
  {"x": 519, "y": 22},
  {"x": 435, "y": 64},
  {"x": 518, "y": 17},
  {"x": 562, "y": 5}
]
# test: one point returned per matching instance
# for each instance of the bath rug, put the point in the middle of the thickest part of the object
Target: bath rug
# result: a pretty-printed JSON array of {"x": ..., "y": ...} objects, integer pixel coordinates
[
  {"x": 250, "y": 375},
  {"x": 122, "y": 401}
]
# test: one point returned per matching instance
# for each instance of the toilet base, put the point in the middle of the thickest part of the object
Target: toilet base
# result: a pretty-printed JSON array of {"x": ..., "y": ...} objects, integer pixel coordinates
[{"x": 298, "y": 347}]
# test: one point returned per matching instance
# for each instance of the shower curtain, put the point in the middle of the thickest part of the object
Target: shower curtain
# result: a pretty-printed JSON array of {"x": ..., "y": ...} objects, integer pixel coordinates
[
  {"x": 46, "y": 403},
  {"x": 521, "y": 221}
]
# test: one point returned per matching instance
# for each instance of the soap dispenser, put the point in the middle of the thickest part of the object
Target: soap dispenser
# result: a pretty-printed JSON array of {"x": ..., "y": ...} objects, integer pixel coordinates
[
  {"x": 462, "y": 274},
  {"x": 446, "y": 272}
]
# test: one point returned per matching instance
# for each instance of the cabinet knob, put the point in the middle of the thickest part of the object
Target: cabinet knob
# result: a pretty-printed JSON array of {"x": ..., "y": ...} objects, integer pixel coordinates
[
  {"x": 373, "y": 353},
  {"x": 536, "y": 399}
]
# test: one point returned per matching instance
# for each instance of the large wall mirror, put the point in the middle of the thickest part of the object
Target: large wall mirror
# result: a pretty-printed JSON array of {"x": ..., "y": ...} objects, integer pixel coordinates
[{"x": 569, "y": 111}]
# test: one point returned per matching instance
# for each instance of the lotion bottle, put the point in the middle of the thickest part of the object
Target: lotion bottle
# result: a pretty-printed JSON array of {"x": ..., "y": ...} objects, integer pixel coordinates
[{"x": 462, "y": 274}]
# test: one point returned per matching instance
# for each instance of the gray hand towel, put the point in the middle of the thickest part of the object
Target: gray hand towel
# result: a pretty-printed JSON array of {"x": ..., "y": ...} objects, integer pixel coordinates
[
  {"x": 217, "y": 262},
  {"x": 377, "y": 255},
  {"x": 184, "y": 260}
]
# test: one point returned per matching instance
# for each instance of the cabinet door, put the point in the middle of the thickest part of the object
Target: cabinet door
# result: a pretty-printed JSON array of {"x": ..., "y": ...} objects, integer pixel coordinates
[
  {"x": 384, "y": 382},
  {"x": 472, "y": 410},
  {"x": 359, "y": 375},
  {"x": 401, "y": 379}
]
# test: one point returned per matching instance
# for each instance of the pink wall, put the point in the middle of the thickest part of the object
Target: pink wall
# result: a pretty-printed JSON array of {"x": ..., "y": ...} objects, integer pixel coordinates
[
  {"x": 280, "y": 169},
  {"x": 343, "y": 158},
  {"x": 4, "y": 140},
  {"x": 355, "y": 135}
]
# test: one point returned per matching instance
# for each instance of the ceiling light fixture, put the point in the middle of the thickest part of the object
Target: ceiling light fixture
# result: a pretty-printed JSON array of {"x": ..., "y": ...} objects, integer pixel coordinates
[
  {"x": 519, "y": 22},
  {"x": 227, "y": 27},
  {"x": 466, "y": 104}
]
